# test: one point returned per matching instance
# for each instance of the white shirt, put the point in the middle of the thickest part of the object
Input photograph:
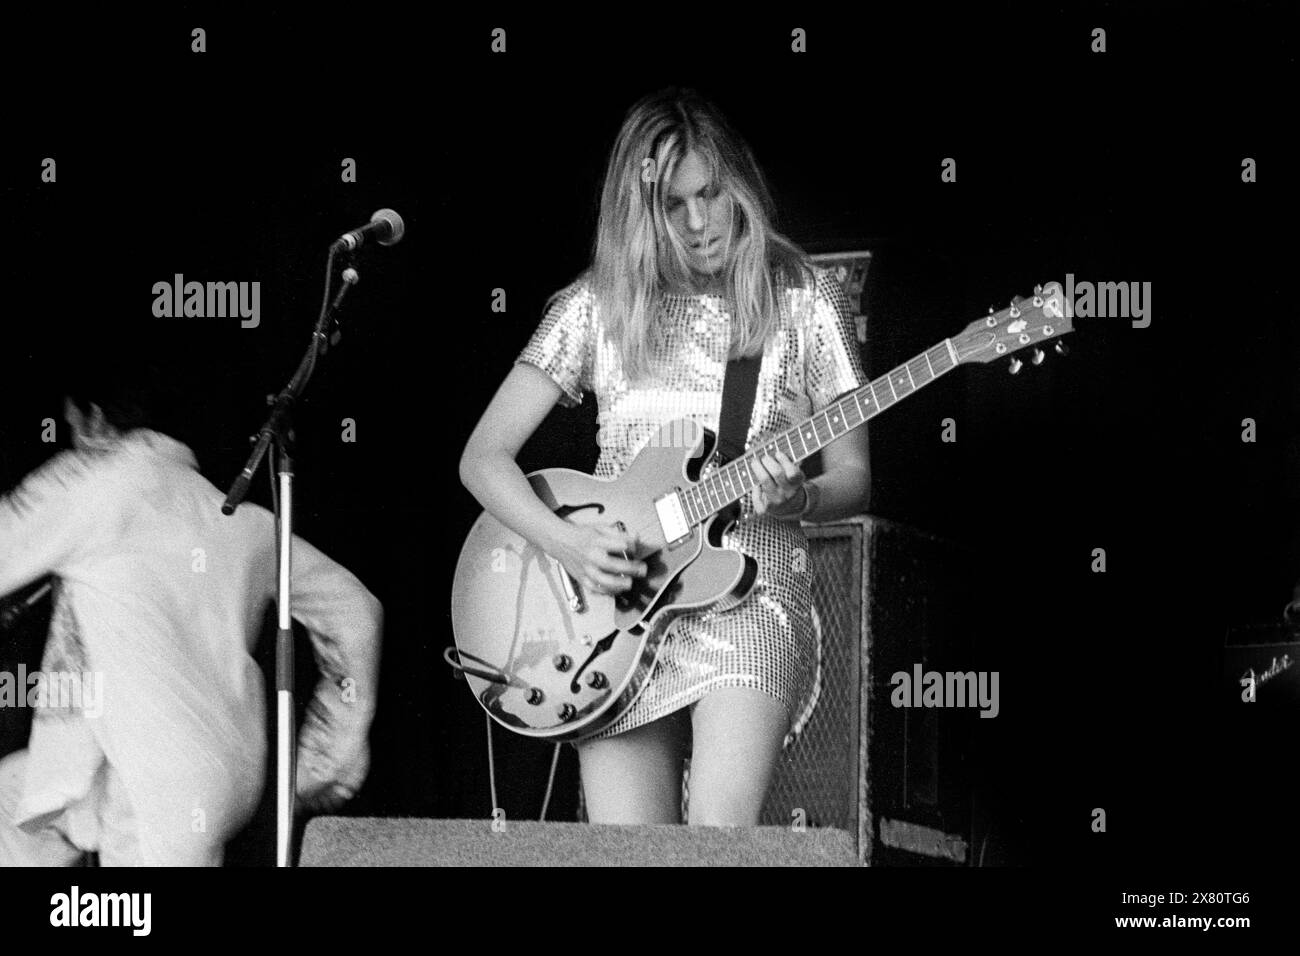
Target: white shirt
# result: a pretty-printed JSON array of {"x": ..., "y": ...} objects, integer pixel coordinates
[{"x": 167, "y": 596}]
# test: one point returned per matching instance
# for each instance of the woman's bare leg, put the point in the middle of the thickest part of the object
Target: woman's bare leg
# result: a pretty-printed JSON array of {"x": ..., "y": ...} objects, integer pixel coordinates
[
  {"x": 738, "y": 734},
  {"x": 636, "y": 777}
]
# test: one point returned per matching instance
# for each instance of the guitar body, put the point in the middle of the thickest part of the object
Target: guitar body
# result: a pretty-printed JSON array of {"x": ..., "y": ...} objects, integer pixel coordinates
[{"x": 564, "y": 663}]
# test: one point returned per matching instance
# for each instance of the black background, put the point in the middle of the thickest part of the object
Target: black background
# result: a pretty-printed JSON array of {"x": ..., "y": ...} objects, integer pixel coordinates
[{"x": 1122, "y": 166}]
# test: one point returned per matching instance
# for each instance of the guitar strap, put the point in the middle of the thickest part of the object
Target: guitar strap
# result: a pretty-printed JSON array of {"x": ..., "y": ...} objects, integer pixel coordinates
[{"x": 738, "y": 386}]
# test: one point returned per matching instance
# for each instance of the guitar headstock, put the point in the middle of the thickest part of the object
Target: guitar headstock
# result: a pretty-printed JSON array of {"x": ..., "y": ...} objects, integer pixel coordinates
[{"x": 1028, "y": 321}]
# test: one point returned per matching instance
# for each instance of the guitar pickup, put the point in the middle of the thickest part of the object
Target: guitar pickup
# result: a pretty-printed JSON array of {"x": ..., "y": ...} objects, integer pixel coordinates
[{"x": 672, "y": 518}]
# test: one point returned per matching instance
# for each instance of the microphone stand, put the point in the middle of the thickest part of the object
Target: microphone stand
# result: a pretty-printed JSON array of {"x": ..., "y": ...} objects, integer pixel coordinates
[{"x": 277, "y": 434}]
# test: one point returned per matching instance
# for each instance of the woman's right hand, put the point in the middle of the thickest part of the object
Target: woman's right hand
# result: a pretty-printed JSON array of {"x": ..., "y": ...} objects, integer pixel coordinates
[{"x": 594, "y": 557}]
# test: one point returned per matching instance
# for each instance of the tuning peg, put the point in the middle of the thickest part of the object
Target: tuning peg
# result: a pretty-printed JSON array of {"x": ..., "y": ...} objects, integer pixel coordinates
[
  {"x": 1016, "y": 365},
  {"x": 1062, "y": 348},
  {"x": 1038, "y": 357}
]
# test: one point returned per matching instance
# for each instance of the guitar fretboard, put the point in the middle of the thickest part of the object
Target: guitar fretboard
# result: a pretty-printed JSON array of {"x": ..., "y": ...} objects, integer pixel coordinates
[{"x": 734, "y": 480}]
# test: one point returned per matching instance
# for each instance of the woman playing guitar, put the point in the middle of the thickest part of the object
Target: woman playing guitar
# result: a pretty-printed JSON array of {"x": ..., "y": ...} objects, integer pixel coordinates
[{"x": 688, "y": 272}]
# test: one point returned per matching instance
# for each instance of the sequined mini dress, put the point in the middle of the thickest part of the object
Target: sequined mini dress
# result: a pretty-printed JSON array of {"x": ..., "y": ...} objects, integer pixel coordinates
[{"x": 765, "y": 642}]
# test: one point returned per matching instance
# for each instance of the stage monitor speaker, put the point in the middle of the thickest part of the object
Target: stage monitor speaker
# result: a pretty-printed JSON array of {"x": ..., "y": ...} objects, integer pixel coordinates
[
  {"x": 885, "y": 598},
  {"x": 404, "y": 841}
]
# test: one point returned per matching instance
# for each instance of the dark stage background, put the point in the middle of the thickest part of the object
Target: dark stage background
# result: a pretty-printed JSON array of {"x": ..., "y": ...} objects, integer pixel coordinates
[{"x": 1123, "y": 166}]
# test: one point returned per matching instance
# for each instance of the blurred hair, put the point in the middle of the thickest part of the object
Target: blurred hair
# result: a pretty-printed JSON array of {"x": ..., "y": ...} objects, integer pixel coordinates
[
  {"x": 638, "y": 255},
  {"x": 122, "y": 378}
]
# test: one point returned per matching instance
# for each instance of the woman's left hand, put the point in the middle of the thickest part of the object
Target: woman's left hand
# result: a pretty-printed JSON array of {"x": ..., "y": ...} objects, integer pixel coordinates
[{"x": 779, "y": 486}]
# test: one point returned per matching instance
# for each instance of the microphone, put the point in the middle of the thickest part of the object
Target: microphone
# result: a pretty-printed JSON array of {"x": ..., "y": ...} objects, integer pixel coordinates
[
  {"x": 386, "y": 226},
  {"x": 13, "y": 609}
]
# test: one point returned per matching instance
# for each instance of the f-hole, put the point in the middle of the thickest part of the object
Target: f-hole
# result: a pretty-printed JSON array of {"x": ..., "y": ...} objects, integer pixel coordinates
[{"x": 565, "y": 510}]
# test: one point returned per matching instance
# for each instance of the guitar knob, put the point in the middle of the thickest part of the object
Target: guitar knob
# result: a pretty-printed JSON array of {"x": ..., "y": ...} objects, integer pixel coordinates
[
  {"x": 1062, "y": 349},
  {"x": 1038, "y": 356},
  {"x": 597, "y": 681},
  {"x": 562, "y": 662},
  {"x": 1016, "y": 365},
  {"x": 535, "y": 696},
  {"x": 566, "y": 712}
]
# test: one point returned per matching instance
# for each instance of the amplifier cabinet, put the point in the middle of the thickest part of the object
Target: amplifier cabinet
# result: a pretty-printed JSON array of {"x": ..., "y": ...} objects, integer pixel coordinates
[{"x": 886, "y": 597}]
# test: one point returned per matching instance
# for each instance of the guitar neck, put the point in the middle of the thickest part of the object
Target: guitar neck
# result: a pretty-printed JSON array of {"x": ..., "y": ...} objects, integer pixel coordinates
[{"x": 732, "y": 481}]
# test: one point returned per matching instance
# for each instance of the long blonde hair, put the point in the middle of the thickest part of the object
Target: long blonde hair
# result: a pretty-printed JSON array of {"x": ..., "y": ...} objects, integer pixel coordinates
[{"x": 638, "y": 255}]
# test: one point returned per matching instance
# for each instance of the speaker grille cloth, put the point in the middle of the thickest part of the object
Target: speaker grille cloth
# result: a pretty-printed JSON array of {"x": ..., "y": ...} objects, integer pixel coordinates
[{"x": 816, "y": 778}]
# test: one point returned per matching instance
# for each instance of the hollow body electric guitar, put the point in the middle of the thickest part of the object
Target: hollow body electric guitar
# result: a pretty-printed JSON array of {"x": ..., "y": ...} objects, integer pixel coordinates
[{"x": 551, "y": 660}]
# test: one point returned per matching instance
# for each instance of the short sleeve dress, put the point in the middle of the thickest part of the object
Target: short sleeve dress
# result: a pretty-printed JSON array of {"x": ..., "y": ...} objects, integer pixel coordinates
[{"x": 766, "y": 642}]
